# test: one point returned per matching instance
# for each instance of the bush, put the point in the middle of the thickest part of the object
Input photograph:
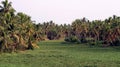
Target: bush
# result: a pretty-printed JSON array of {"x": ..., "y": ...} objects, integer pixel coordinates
[
  {"x": 71, "y": 39},
  {"x": 82, "y": 40},
  {"x": 95, "y": 43},
  {"x": 115, "y": 43},
  {"x": 67, "y": 39}
]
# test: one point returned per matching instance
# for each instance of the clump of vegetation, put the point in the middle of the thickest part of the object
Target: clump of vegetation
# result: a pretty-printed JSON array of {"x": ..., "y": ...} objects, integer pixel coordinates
[
  {"x": 15, "y": 29},
  {"x": 71, "y": 39}
]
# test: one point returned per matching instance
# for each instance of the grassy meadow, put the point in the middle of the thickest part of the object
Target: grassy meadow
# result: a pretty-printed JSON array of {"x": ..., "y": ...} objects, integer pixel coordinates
[{"x": 56, "y": 53}]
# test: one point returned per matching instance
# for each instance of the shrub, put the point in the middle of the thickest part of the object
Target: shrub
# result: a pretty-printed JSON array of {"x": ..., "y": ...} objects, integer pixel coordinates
[
  {"x": 95, "y": 43},
  {"x": 82, "y": 40},
  {"x": 115, "y": 43},
  {"x": 67, "y": 39},
  {"x": 71, "y": 39}
]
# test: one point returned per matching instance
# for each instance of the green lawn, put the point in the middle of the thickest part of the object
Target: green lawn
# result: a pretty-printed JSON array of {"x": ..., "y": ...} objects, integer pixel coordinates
[{"x": 59, "y": 54}]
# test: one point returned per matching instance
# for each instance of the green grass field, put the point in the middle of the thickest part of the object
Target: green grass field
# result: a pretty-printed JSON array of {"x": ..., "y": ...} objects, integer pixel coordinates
[{"x": 59, "y": 54}]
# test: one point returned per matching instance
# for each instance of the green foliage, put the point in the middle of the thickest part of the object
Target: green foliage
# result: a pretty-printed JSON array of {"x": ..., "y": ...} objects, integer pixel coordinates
[
  {"x": 82, "y": 40},
  {"x": 116, "y": 43},
  {"x": 72, "y": 39},
  {"x": 95, "y": 43}
]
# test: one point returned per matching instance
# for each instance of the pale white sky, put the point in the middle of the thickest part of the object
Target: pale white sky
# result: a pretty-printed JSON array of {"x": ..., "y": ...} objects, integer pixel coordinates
[{"x": 66, "y": 11}]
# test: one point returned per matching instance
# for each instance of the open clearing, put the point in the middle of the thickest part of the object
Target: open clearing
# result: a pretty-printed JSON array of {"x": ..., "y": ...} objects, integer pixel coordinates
[{"x": 58, "y": 54}]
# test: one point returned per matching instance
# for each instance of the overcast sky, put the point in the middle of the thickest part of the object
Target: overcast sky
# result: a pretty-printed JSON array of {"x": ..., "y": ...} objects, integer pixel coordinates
[{"x": 66, "y": 11}]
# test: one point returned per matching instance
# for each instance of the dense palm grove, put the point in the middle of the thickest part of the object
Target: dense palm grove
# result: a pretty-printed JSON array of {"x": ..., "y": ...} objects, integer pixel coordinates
[
  {"x": 105, "y": 32},
  {"x": 18, "y": 32}
]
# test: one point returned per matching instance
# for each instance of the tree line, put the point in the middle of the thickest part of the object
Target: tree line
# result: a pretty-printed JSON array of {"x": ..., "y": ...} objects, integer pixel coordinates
[{"x": 18, "y": 32}]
